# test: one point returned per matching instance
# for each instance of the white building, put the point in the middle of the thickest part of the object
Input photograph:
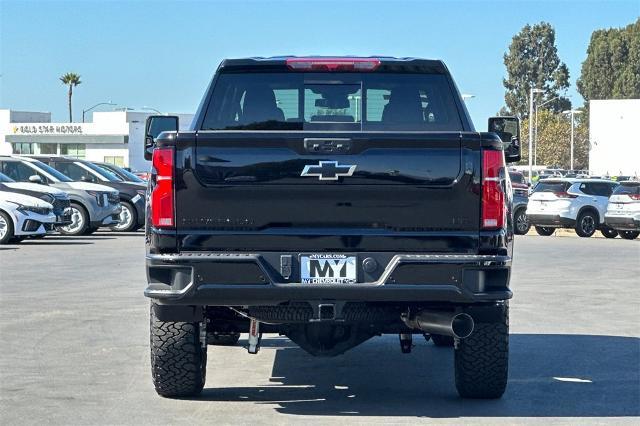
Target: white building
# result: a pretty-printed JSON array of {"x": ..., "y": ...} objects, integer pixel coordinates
[
  {"x": 614, "y": 135},
  {"x": 116, "y": 137}
]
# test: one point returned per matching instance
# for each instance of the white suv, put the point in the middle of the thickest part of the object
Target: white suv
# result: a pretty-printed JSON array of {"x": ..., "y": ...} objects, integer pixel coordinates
[
  {"x": 623, "y": 211},
  {"x": 22, "y": 216},
  {"x": 571, "y": 203}
]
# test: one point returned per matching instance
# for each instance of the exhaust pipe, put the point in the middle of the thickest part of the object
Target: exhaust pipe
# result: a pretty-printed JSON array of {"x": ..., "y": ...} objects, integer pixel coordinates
[{"x": 458, "y": 325}]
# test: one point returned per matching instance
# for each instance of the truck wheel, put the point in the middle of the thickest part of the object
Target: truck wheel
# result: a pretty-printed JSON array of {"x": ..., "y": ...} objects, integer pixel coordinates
[
  {"x": 79, "y": 221},
  {"x": 521, "y": 222},
  {"x": 6, "y": 228},
  {"x": 482, "y": 360},
  {"x": 629, "y": 235},
  {"x": 545, "y": 232},
  {"x": 178, "y": 360},
  {"x": 608, "y": 232},
  {"x": 586, "y": 224},
  {"x": 440, "y": 340},
  {"x": 219, "y": 339}
]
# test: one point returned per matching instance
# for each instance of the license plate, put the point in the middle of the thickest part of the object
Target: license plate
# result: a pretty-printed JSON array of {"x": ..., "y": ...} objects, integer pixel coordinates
[{"x": 327, "y": 269}]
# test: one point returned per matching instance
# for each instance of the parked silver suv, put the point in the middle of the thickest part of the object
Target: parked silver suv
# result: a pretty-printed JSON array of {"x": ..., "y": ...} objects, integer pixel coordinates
[{"x": 92, "y": 205}]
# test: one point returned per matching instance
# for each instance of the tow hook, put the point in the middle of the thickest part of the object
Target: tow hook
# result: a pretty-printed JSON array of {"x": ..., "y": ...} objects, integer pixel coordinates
[
  {"x": 255, "y": 337},
  {"x": 406, "y": 342}
]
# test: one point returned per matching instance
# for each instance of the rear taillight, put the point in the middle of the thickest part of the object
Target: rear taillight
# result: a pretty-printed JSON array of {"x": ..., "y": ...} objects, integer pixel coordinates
[
  {"x": 564, "y": 195},
  {"x": 162, "y": 211},
  {"x": 333, "y": 64},
  {"x": 635, "y": 197},
  {"x": 493, "y": 201}
]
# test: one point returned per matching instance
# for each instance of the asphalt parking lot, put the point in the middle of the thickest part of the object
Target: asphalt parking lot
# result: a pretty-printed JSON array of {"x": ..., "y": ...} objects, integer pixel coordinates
[{"x": 74, "y": 332}]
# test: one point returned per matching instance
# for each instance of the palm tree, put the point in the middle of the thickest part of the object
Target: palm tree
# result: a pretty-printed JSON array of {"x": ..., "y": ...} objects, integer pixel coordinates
[{"x": 70, "y": 79}]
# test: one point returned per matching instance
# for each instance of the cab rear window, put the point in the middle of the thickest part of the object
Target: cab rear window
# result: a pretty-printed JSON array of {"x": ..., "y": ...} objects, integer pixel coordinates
[{"x": 332, "y": 101}]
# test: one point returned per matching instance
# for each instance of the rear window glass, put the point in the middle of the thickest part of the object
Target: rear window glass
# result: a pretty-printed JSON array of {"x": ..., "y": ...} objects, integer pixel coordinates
[
  {"x": 627, "y": 188},
  {"x": 332, "y": 101},
  {"x": 546, "y": 186}
]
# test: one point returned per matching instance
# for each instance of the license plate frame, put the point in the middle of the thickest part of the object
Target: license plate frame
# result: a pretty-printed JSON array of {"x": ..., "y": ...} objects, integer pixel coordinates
[{"x": 328, "y": 268}]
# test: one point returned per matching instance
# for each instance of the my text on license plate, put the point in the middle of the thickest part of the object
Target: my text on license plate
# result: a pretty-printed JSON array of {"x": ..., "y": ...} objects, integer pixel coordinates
[{"x": 327, "y": 269}]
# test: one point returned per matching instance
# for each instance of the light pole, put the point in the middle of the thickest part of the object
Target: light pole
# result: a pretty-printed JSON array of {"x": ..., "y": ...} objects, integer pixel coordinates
[
  {"x": 151, "y": 109},
  {"x": 572, "y": 112},
  {"x": 95, "y": 106},
  {"x": 531, "y": 92},
  {"x": 535, "y": 137}
]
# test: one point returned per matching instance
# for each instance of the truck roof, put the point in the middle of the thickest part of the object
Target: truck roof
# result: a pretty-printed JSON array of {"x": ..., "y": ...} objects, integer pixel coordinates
[{"x": 386, "y": 63}]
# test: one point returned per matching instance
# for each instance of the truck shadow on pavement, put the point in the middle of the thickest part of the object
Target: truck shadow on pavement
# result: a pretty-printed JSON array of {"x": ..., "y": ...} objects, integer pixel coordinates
[{"x": 551, "y": 375}]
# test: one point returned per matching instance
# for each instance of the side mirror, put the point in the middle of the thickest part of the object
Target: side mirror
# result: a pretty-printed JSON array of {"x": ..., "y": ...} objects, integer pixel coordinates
[
  {"x": 35, "y": 179},
  {"x": 508, "y": 129},
  {"x": 155, "y": 125},
  {"x": 85, "y": 179}
]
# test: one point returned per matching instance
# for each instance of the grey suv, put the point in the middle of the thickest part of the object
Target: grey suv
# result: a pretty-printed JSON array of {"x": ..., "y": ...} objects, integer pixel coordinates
[{"x": 92, "y": 205}]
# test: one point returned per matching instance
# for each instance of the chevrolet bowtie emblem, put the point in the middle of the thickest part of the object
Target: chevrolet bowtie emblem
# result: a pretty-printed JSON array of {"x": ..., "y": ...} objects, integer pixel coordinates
[{"x": 328, "y": 170}]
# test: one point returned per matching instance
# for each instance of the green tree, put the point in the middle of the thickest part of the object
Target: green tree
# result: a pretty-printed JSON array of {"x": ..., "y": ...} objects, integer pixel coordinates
[
  {"x": 532, "y": 61},
  {"x": 612, "y": 67},
  {"x": 70, "y": 79},
  {"x": 553, "y": 144}
]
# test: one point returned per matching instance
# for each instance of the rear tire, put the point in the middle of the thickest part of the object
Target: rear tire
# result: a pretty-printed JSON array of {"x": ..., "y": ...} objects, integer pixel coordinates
[
  {"x": 608, "y": 232},
  {"x": 629, "y": 235},
  {"x": 545, "y": 232},
  {"x": 442, "y": 341},
  {"x": 586, "y": 224},
  {"x": 520, "y": 222},
  {"x": 482, "y": 360},
  {"x": 178, "y": 360},
  {"x": 6, "y": 228},
  {"x": 80, "y": 221}
]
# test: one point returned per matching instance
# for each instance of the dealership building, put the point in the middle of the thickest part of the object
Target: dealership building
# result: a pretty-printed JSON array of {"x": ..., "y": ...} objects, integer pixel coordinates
[
  {"x": 614, "y": 137},
  {"x": 115, "y": 137}
]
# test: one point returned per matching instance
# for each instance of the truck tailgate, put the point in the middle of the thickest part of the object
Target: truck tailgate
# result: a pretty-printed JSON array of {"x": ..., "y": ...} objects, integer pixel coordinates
[{"x": 299, "y": 191}]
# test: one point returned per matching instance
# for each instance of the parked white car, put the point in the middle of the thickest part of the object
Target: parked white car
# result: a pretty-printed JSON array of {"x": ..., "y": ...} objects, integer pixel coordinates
[
  {"x": 22, "y": 216},
  {"x": 579, "y": 204},
  {"x": 623, "y": 210}
]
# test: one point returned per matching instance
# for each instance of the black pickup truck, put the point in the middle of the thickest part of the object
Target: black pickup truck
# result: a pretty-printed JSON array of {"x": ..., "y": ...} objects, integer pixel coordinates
[{"x": 330, "y": 200}]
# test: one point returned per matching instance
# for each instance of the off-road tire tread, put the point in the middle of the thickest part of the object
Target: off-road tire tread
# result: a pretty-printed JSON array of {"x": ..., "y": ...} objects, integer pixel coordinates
[
  {"x": 482, "y": 360},
  {"x": 178, "y": 362}
]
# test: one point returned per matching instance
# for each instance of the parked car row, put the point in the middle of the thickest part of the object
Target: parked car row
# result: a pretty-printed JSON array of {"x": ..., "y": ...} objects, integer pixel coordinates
[
  {"x": 40, "y": 194},
  {"x": 585, "y": 205}
]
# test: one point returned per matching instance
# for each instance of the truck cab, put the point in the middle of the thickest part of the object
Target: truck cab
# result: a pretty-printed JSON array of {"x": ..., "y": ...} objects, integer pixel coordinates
[{"x": 330, "y": 200}]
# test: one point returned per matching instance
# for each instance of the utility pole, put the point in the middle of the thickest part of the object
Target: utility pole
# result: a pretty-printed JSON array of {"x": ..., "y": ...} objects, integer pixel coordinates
[{"x": 572, "y": 112}]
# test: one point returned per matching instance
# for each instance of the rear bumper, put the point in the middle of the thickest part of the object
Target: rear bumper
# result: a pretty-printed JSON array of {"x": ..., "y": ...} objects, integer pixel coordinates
[
  {"x": 551, "y": 220},
  {"x": 232, "y": 279},
  {"x": 624, "y": 223}
]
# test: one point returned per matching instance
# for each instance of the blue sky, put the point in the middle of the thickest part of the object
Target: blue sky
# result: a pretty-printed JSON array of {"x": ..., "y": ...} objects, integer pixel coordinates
[{"x": 161, "y": 54}]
